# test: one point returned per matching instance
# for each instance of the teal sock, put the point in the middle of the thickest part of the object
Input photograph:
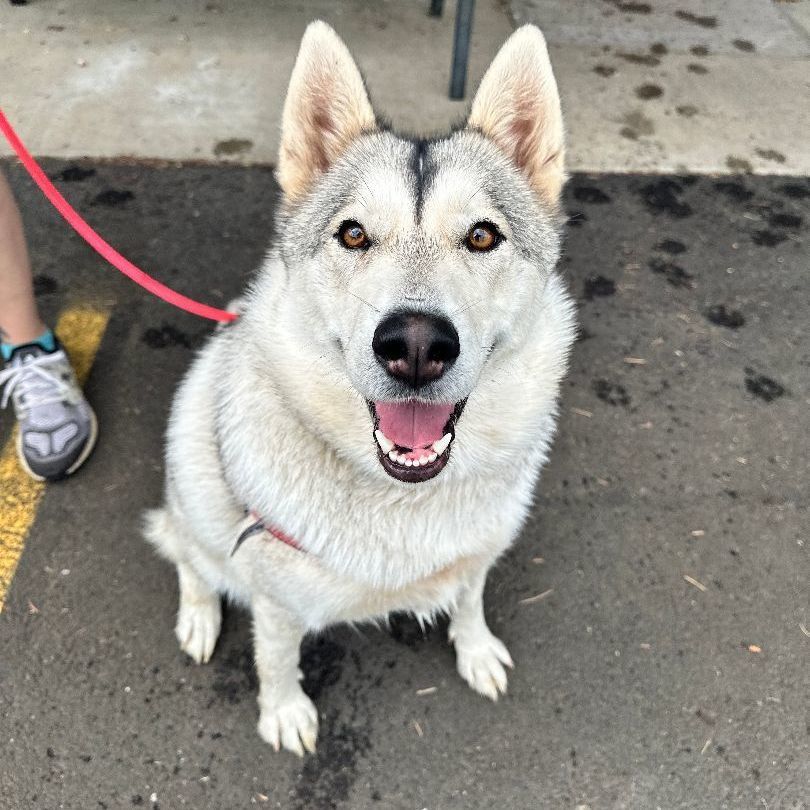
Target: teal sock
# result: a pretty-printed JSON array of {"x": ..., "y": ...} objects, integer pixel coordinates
[{"x": 47, "y": 340}]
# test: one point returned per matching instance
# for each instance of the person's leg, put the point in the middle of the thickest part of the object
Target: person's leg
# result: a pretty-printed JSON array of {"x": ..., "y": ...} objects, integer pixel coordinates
[
  {"x": 19, "y": 320},
  {"x": 57, "y": 426}
]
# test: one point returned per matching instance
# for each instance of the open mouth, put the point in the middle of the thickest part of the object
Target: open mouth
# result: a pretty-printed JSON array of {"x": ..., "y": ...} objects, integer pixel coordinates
[{"x": 414, "y": 439}]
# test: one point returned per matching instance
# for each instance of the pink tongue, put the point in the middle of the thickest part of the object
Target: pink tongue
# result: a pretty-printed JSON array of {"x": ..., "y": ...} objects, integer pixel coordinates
[{"x": 413, "y": 424}]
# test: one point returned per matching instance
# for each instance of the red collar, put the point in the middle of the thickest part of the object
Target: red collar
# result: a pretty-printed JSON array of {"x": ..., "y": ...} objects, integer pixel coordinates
[{"x": 257, "y": 526}]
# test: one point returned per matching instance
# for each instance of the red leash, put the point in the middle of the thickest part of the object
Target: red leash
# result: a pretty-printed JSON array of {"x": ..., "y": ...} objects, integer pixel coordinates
[{"x": 98, "y": 244}]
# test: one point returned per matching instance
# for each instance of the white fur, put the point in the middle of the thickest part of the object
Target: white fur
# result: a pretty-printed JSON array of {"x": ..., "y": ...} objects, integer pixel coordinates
[{"x": 270, "y": 417}]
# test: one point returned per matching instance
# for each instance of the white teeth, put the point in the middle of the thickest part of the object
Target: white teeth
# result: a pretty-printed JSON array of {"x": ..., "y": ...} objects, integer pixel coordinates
[
  {"x": 385, "y": 443},
  {"x": 440, "y": 446},
  {"x": 422, "y": 460}
]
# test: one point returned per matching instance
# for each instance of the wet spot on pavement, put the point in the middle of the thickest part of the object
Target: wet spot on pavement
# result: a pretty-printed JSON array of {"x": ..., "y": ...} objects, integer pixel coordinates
[
  {"x": 771, "y": 154},
  {"x": 612, "y": 393},
  {"x": 597, "y": 286},
  {"x": 766, "y": 388},
  {"x": 766, "y": 238},
  {"x": 327, "y": 777},
  {"x": 744, "y": 45},
  {"x": 576, "y": 219},
  {"x": 590, "y": 194},
  {"x": 321, "y": 664},
  {"x": 790, "y": 221},
  {"x": 165, "y": 336},
  {"x": 662, "y": 197},
  {"x": 232, "y": 146},
  {"x": 795, "y": 191},
  {"x": 631, "y": 6},
  {"x": 113, "y": 197},
  {"x": 733, "y": 190},
  {"x": 636, "y": 124},
  {"x": 673, "y": 273},
  {"x": 74, "y": 174},
  {"x": 44, "y": 285},
  {"x": 649, "y": 91},
  {"x": 738, "y": 164},
  {"x": 696, "y": 19},
  {"x": 235, "y": 675},
  {"x": 721, "y": 315},
  {"x": 671, "y": 246},
  {"x": 639, "y": 58}
]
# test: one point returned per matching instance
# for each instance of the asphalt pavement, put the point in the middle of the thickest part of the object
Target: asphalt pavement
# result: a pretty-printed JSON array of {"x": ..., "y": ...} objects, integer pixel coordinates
[{"x": 667, "y": 665}]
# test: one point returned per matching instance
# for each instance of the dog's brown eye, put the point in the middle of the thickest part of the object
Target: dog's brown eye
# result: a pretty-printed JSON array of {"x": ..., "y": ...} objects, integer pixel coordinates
[
  {"x": 483, "y": 236},
  {"x": 352, "y": 235}
]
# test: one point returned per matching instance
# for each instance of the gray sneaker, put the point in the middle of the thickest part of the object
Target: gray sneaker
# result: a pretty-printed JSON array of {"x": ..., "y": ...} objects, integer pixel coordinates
[{"x": 58, "y": 428}]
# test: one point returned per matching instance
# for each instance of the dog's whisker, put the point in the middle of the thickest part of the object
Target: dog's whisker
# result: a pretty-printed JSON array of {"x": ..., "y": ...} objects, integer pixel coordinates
[
  {"x": 360, "y": 298},
  {"x": 368, "y": 188},
  {"x": 478, "y": 191},
  {"x": 466, "y": 307}
]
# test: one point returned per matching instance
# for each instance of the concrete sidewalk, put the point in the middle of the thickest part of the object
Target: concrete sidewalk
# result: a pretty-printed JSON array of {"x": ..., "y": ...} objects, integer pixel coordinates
[
  {"x": 663, "y": 86},
  {"x": 666, "y": 667}
]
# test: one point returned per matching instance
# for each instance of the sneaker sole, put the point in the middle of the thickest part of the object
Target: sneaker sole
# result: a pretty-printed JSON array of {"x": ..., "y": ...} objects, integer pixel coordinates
[{"x": 88, "y": 448}]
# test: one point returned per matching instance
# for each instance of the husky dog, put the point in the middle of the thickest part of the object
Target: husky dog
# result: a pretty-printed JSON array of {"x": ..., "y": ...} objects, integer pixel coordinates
[{"x": 366, "y": 437}]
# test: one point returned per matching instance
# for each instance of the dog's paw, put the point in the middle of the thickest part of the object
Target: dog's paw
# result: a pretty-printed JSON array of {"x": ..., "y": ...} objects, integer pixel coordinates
[
  {"x": 292, "y": 725},
  {"x": 481, "y": 661},
  {"x": 197, "y": 629}
]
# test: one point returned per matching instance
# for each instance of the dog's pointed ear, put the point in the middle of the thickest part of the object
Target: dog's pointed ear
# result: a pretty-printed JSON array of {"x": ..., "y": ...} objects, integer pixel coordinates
[
  {"x": 326, "y": 108},
  {"x": 518, "y": 107}
]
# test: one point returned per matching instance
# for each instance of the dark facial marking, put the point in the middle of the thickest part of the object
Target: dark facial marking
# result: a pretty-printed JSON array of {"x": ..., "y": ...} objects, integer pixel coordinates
[{"x": 422, "y": 174}]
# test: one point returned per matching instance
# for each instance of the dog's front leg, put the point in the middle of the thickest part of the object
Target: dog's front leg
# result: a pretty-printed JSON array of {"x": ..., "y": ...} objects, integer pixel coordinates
[
  {"x": 287, "y": 717},
  {"x": 480, "y": 656}
]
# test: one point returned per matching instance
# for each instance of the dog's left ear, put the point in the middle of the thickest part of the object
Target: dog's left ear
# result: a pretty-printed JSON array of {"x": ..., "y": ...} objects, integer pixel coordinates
[
  {"x": 326, "y": 108},
  {"x": 518, "y": 107}
]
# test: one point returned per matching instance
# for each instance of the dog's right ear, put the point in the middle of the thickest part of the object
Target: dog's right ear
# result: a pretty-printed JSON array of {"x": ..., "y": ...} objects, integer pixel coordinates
[{"x": 326, "y": 108}]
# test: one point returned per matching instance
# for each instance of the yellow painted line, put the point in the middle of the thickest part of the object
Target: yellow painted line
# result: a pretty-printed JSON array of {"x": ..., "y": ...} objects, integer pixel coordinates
[{"x": 80, "y": 329}]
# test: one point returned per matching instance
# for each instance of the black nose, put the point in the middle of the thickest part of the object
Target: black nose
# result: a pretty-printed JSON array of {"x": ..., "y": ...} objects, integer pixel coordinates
[{"x": 414, "y": 347}]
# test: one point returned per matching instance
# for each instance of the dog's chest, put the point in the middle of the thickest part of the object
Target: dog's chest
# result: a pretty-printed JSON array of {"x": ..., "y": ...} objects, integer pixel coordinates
[
  {"x": 425, "y": 596},
  {"x": 320, "y": 596}
]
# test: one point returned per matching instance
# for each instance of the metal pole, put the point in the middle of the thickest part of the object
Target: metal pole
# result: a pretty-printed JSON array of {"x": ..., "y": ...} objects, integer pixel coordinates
[
  {"x": 436, "y": 8},
  {"x": 461, "y": 47}
]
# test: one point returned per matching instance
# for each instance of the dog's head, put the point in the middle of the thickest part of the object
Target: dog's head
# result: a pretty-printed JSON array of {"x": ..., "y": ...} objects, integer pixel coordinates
[{"x": 411, "y": 265}]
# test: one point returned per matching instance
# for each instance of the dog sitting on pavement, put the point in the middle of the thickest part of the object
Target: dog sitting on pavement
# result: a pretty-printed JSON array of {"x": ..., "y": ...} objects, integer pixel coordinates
[{"x": 367, "y": 436}]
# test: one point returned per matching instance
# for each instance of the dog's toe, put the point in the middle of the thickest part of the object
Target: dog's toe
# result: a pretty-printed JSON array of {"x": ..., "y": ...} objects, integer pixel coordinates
[
  {"x": 482, "y": 664},
  {"x": 293, "y": 725},
  {"x": 198, "y": 627}
]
